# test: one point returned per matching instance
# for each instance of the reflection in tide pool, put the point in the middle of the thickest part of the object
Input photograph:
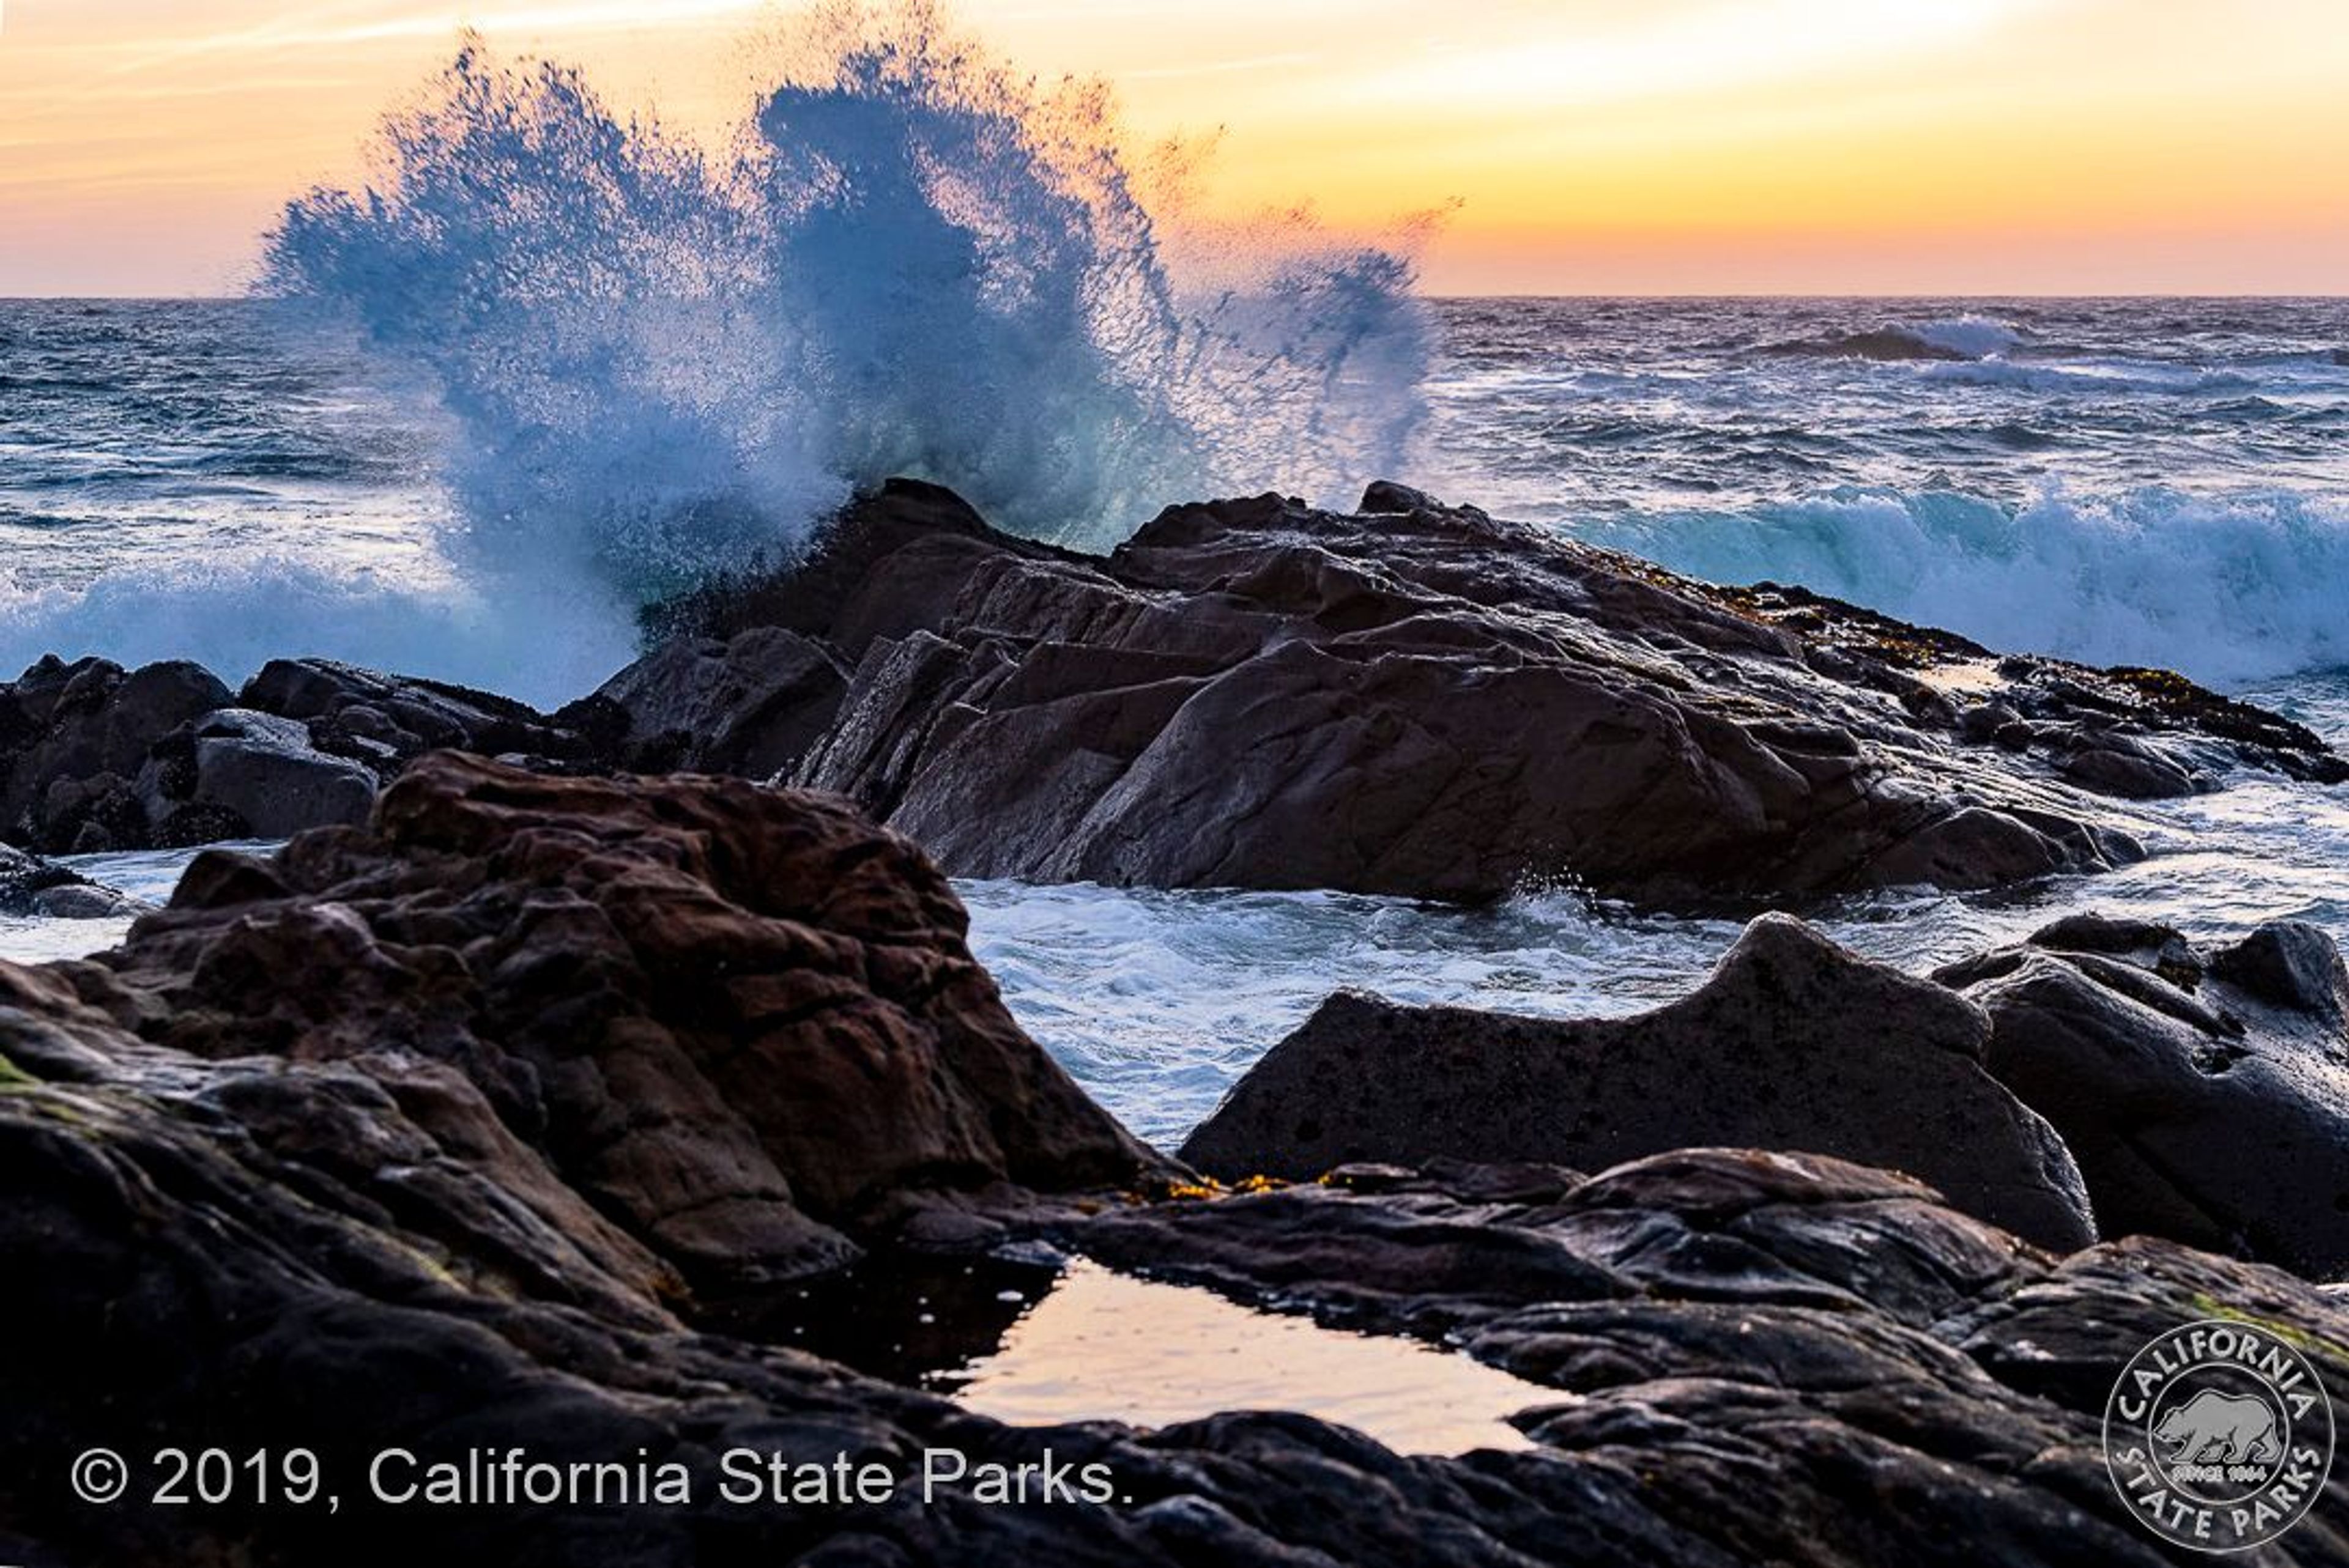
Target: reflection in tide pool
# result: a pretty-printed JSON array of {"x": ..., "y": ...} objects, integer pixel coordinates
[
  {"x": 1040, "y": 1340},
  {"x": 1102, "y": 1346}
]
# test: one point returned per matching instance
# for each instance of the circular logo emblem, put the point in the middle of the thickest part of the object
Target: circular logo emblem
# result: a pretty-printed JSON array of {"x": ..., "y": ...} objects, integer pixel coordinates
[{"x": 2219, "y": 1435}]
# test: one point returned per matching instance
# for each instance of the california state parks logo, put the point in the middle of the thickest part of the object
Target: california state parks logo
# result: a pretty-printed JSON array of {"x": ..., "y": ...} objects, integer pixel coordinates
[{"x": 2219, "y": 1435}]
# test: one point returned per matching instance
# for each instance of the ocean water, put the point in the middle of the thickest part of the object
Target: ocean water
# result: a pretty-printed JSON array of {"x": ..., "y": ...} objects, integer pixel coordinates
[
  {"x": 2162, "y": 482},
  {"x": 2145, "y": 481},
  {"x": 548, "y": 362}
]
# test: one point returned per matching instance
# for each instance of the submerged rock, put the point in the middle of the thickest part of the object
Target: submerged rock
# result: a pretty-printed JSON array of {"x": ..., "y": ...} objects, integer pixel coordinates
[
  {"x": 1419, "y": 700},
  {"x": 1792, "y": 1044}
]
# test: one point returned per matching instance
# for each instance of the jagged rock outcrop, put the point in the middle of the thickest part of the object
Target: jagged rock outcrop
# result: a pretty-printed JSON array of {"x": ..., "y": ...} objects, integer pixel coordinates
[
  {"x": 77, "y": 735},
  {"x": 735, "y": 1020},
  {"x": 750, "y": 704},
  {"x": 2105, "y": 1071},
  {"x": 388, "y": 720},
  {"x": 1792, "y": 1044},
  {"x": 94, "y": 757},
  {"x": 1426, "y": 701},
  {"x": 2204, "y": 1091},
  {"x": 435, "y": 1135},
  {"x": 243, "y": 773},
  {"x": 1414, "y": 700}
]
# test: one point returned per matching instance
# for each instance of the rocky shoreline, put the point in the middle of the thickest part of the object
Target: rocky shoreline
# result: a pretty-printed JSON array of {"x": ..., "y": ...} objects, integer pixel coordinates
[
  {"x": 1414, "y": 699},
  {"x": 490, "y": 1110}
]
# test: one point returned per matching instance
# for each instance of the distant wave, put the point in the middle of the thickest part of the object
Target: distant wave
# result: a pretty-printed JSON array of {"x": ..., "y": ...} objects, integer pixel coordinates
[
  {"x": 1975, "y": 336},
  {"x": 2087, "y": 375},
  {"x": 2227, "y": 589},
  {"x": 661, "y": 363},
  {"x": 1961, "y": 338}
]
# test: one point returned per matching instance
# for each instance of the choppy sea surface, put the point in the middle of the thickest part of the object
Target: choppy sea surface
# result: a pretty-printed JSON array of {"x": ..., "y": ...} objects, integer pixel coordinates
[{"x": 2160, "y": 481}]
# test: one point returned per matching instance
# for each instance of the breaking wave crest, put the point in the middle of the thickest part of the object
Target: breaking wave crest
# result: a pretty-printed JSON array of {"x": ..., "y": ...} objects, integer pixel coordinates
[
  {"x": 661, "y": 361},
  {"x": 2227, "y": 589},
  {"x": 1965, "y": 338}
]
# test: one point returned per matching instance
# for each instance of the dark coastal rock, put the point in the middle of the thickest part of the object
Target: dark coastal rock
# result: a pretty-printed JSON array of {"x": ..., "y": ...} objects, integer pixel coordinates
[
  {"x": 94, "y": 758},
  {"x": 2205, "y": 1094},
  {"x": 423, "y": 1136},
  {"x": 751, "y": 705},
  {"x": 2106, "y": 1077},
  {"x": 31, "y": 886},
  {"x": 386, "y": 721},
  {"x": 1774, "y": 1358},
  {"x": 2126, "y": 766},
  {"x": 259, "y": 771},
  {"x": 738, "y": 1018},
  {"x": 1417, "y": 700},
  {"x": 1792, "y": 1044},
  {"x": 78, "y": 734}
]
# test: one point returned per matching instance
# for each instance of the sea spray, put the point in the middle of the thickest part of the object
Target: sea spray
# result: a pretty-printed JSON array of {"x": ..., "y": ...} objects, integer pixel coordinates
[{"x": 660, "y": 363}]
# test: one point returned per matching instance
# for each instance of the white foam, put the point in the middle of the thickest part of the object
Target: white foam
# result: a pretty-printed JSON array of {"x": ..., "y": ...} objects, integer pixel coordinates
[
  {"x": 2226, "y": 589},
  {"x": 1976, "y": 336},
  {"x": 544, "y": 639},
  {"x": 661, "y": 361}
]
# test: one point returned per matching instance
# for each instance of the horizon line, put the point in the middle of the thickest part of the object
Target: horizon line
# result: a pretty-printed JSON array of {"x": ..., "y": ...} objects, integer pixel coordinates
[{"x": 2022, "y": 294}]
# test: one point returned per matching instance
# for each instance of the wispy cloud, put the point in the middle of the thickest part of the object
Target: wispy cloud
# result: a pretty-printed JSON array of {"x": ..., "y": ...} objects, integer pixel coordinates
[{"x": 350, "y": 26}]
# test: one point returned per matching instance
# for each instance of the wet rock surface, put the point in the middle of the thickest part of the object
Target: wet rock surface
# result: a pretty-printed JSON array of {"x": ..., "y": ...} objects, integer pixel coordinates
[
  {"x": 2205, "y": 1092},
  {"x": 2106, "y": 1077},
  {"x": 1414, "y": 700},
  {"x": 32, "y": 887},
  {"x": 1900, "y": 1382},
  {"x": 740, "y": 1018},
  {"x": 1422, "y": 700},
  {"x": 451, "y": 1132},
  {"x": 96, "y": 757},
  {"x": 750, "y": 704},
  {"x": 1792, "y": 1044}
]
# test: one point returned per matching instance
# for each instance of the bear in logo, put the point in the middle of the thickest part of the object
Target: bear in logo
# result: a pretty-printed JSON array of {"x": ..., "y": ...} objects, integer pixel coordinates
[{"x": 2215, "y": 1428}]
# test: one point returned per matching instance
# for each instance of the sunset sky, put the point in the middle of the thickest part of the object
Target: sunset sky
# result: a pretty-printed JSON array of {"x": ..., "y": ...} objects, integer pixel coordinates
[{"x": 1594, "y": 145}]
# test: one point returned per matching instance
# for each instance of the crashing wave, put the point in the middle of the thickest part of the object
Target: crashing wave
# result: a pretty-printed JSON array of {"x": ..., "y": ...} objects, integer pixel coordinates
[
  {"x": 661, "y": 363},
  {"x": 2227, "y": 589},
  {"x": 545, "y": 641}
]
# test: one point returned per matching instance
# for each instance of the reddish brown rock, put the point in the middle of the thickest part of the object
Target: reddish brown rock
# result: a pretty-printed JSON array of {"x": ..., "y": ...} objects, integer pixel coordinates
[
  {"x": 398, "y": 1142},
  {"x": 739, "y": 1019}
]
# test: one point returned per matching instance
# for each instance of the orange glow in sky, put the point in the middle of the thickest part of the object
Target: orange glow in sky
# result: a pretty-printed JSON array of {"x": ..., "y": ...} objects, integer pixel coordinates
[{"x": 1971, "y": 147}]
